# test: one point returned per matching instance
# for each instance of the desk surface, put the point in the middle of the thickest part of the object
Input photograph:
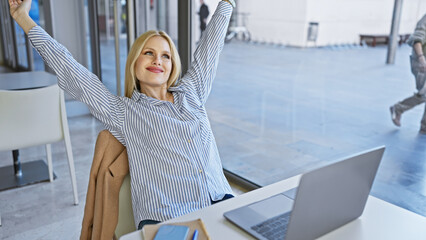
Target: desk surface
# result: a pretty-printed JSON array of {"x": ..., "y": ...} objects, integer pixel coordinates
[
  {"x": 26, "y": 80},
  {"x": 380, "y": 220}
]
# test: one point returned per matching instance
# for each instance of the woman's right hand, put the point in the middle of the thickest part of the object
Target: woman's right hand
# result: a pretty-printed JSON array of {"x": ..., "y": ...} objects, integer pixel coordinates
[
  {"x": 19, "y": 7},
  {"x": 20, "y": 11}
]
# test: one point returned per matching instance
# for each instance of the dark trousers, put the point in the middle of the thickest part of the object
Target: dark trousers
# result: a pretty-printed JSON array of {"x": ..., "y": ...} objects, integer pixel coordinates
[
  {"x": 149, "y": 221},
  {"x": 227, "y": 196}
]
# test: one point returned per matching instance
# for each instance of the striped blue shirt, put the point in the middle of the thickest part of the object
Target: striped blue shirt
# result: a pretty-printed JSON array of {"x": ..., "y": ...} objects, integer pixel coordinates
[{"x": 174, "y": 162}]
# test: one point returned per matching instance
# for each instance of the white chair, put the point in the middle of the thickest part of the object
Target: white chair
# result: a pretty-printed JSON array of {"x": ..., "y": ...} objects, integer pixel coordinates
[
  {"x": 125, "y": 222},
  {"x": 36, "y": 117}
]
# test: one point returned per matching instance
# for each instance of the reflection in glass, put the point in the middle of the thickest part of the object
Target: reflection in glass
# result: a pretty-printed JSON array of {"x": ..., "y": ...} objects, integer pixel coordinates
[
  {"x": 162, "y": 15},
  {"x": 20, "y": 44},
  {"x": 36, "y": 13},
  {"x": 107, "y": 42}
]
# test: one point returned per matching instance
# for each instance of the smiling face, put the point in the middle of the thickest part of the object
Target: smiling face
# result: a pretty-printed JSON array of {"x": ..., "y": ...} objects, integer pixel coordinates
[{"x": 154, "y": 64}]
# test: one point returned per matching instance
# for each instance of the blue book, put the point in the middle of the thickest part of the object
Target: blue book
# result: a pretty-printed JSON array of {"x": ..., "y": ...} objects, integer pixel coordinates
[{"x": 172, "y": 232}]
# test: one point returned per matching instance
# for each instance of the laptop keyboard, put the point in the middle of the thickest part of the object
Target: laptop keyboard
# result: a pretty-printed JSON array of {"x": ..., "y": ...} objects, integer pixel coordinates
[{"x": 273, "y": 228}]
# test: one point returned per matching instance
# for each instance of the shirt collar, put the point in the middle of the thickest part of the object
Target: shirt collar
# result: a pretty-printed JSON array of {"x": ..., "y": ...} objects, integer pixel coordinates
[
  {"x": 176, "y": 89},
  {"x": 138, "y": 96}
]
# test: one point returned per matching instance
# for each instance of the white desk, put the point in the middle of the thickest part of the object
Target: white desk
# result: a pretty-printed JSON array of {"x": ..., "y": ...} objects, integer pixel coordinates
[{"x": 380, "y": 220}]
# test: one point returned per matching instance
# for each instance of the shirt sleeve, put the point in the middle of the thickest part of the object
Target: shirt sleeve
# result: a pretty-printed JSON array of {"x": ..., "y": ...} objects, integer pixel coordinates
[
  {"x": 200, "y": 75},
  {"x": 78, "y": 81},
  {"x": 419, "y": 34}
]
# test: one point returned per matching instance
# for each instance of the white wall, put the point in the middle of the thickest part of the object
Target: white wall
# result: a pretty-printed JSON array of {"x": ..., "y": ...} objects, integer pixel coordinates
[
  {"x": 340, "y": 21},
  {"x": 412, "y": 11},
  {"x": 275, "y": 21},
  {"x": 421, "y": 9}
]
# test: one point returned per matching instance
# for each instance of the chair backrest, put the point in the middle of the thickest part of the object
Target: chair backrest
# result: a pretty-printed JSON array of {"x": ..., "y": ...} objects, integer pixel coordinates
[
  {"x": 31, "y": 117},
  {"x": 126, "y": 222}
]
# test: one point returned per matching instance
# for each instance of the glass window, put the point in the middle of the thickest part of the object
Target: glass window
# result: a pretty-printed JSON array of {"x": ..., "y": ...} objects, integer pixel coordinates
[
  {"x": 295, "y": 90},
  {"x": 37, "y": 15},
  {"x": 161, "y": 15},
  {"x": 107, "y": 43}
]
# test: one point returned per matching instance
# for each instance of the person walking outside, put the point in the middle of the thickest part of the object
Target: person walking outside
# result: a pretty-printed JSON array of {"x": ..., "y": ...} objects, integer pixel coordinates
[
  {"x": 417, "y": 41},
  {"x": 204, "y": 13}
]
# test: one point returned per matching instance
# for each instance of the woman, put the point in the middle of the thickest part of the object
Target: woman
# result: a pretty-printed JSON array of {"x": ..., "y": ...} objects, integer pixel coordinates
[{"x": 173, "y": 158}]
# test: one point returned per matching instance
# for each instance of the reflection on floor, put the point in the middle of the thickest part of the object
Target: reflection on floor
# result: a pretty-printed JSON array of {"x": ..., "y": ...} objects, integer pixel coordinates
[{"x": 276, "y": 112}]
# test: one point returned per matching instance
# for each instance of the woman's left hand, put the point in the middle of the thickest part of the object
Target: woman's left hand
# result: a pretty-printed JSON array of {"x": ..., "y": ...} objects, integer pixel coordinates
[{"x": 232, "y": 2}]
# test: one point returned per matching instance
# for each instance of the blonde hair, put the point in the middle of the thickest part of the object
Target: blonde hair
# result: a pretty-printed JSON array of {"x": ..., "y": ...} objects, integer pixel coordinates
[{"x": 131, "y": 82}]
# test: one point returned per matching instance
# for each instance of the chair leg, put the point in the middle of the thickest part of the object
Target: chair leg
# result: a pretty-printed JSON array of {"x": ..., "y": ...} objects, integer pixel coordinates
[
  {"x": 71, "y": 167},
  {"x": 49, "y": 161},
  {"x": 66, "y": 133}
]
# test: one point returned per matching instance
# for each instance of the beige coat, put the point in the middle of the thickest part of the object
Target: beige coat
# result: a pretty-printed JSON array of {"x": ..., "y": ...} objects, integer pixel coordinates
[{"x": 109, "y": 167}]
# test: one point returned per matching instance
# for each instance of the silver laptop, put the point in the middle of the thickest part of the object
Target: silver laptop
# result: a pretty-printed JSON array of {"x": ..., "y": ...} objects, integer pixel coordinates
[{"x": 326, "y": 199}]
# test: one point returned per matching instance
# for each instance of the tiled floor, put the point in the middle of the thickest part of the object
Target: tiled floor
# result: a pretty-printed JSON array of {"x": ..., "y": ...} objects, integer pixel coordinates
[{"x": 275, "y": 112}]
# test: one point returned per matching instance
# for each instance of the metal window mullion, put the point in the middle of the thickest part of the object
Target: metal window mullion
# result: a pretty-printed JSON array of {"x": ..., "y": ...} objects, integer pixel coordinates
[
  {"x": 95, "y": 54},
  {"x": 393, "y": 37},
  {"x": 131, "y": 25},
  {"x": 3, "y": 30},
  {"x": 107, "y": 29},
  {"x": 48, "y": 25},
  {"x": 30, "y": 59},
  {"x": 167, "y": 16},
  {"x": 6, "y": 34},
  {"x": 184, "y": 33},
  {"x": 15, "y": 59},
  {"x": 117, "y": 46}
]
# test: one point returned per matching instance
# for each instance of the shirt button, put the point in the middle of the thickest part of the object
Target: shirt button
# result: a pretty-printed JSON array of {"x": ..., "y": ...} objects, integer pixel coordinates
[
  {"x": 189, "y": 140},
  {"x": 200, "y": 171}
]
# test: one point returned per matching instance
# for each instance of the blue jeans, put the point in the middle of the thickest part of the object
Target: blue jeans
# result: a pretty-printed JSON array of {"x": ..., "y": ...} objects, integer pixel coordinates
[
  {"x": 149, "y": 221},
  {"x": 145, "y": 222},
  {"x": 227, "y": 196}
]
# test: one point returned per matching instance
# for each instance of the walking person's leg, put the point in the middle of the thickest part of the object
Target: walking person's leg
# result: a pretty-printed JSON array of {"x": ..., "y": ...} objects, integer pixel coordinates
[{"x": 406, "y": 104}]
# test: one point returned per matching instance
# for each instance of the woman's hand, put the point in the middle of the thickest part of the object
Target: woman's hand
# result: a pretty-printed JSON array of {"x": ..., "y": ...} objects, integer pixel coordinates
[
  {"x": 232, "y": 2},
  {"x": 19, "y": 7},
  {"x": 19, "y": 10}
]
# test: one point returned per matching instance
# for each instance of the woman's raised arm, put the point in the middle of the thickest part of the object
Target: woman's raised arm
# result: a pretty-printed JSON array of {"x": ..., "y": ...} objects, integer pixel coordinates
[
  {"x": 73, "y": 78},
  {"x": 19, "y": 10},
  {"x": 203, "y": 69}
]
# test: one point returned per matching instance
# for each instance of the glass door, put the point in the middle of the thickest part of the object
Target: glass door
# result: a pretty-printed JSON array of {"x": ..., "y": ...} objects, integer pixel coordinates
[
  {"x": 157, "y": 15},
  {"x": 116, "y": 30},
  {"x": 7, "y": 42},
  {"x": 17, "y": 52},
  {"x": 112, "y": 26}
]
